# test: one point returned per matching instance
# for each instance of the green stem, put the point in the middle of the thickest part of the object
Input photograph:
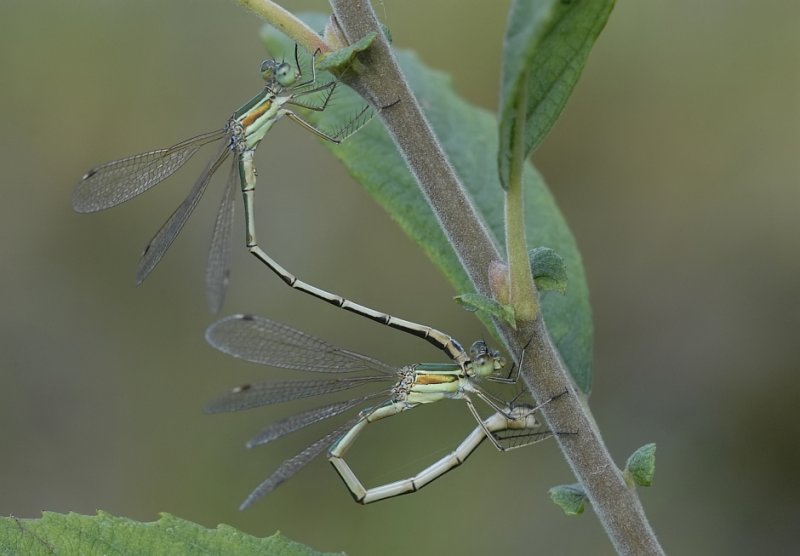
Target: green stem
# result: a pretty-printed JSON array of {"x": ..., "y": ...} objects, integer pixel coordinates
[
  {"x": 523, "y": 296},
  {"x": 288, "y": 24}
]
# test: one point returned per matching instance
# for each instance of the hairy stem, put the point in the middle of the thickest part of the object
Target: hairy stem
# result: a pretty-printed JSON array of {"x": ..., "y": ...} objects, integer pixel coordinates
[
  {"x": 384, "y": 84},
  {"x": 543, "y": 371},
  {"x": 617, "y": 507}
]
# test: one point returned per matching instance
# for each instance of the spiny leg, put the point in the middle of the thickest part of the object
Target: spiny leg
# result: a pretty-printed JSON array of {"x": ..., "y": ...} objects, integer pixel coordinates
[
  {"x": 347, "y": 130},
  {"x": 509, "y": 410},
  {"x": 329, "y": 88},
  {"x": 508, "y": 379}
]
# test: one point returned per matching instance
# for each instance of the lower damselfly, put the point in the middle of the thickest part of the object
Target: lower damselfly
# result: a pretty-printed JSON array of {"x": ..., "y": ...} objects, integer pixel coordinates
[
  {"x": 115, "y": 182},
  {"x": 260, "y": 340}
]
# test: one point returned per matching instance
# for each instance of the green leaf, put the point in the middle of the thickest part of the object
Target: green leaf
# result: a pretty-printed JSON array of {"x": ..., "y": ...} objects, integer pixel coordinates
[
  {"x": 469, "y": 137},
  {"x": 549, "y": 270},
  {"x": 570, "y": 498},
  {"x": 549, "y": 42},
  {"x": 478, "y": 302},
  {"x": 340, "y": 58},
  {"x": 104, "y": 534},
  {"x": 641, "y": 466}
]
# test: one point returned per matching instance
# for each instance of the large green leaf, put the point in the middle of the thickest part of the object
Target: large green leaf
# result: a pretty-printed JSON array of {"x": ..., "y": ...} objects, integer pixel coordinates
[
  {"x": 469, "y": 137},
  {"x": 105, "y": 534},
  {"x": 547, "y": 44}
]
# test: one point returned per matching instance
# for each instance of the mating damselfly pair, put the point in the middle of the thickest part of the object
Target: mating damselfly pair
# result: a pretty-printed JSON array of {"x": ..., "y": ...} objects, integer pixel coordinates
[
  {"x": 267, "y": 342},
  {"x": 115, "y": 182}
]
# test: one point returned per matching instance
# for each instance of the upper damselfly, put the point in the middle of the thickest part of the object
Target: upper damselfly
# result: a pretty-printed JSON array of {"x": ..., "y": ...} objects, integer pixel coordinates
[
  {"x": 267, "y": 342},
  {"x": 115, "y": 182}
]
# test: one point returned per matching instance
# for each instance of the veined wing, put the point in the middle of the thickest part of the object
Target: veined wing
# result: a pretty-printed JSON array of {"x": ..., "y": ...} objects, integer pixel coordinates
[
  {"x": 268, "y": 393},
  {"x": 169, "y": 231},
  {"x": 219, "y": 254},
  {"x": 511, "y": 439},
  {"x": 115, "y": 182},
  {"x": 267, "y": 342},
  {"x": 292, "y": 465},
  {"x": 293, "y": 423}
]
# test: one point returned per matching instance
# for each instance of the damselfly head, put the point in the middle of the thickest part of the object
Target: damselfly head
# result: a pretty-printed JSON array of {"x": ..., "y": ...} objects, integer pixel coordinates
[
  {"x": 278, "y": 73},
  {"x": 286, "y": 74},
  {"x": 484, "y": 361}
]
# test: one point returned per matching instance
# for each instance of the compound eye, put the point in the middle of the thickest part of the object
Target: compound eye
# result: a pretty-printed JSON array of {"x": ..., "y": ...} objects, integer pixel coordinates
[
  {"x": 268, "y": 70},
  {"x": 284, "y": 74},
  {"x": 478, "y": 349}
]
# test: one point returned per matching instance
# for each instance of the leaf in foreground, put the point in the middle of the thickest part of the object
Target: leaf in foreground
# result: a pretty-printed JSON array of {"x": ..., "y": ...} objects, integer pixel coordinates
[{"x": 72, "y": 533}]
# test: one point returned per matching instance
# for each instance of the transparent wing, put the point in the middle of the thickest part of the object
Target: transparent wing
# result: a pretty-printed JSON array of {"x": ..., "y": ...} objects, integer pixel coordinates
[
  {"x": 292, "y": 465},
  {"x": 281, "y": 428},
  {"x": 511, "y": 439},
  {"x": 115, "y": 182},
  {"x": 219, "y": 254},
  {"x": 169, "y": 231},
  {"x": 267, "y": 342},
  {"x": 268, "y": 393}
]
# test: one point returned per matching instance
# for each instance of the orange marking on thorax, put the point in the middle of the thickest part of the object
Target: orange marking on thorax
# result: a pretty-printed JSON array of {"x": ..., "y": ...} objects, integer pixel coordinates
[
  {"x": 255, "y": 114},
  {"x": 434, "y": 379}
]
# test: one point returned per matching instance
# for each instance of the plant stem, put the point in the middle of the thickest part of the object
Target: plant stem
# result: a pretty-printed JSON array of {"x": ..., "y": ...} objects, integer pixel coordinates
[
  {"x": 617, "y": 507},
  {"x": 384, "y": 84},
  {"x": 543, "y": 371}
]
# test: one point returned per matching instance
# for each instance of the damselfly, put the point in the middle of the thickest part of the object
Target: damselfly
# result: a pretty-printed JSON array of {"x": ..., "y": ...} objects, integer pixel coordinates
[
  {"x": 115, "y": 182},
  {"x": 267, "y": 342}
]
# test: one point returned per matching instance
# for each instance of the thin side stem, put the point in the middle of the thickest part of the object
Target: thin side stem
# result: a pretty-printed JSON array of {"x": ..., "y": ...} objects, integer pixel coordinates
[
  {"x": 523, "y": 296},
  {"x": 288, "y": 24}
]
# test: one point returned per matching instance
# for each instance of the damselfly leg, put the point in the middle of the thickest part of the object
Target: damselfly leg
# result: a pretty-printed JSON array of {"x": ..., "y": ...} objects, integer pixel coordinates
[{"x": 267, "y": 342}]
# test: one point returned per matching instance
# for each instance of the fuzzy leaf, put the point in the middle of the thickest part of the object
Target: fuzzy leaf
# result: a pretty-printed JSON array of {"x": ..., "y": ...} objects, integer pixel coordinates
[
  {"x": 546, "y": 47},
  {"x": 72, "y": 533},
  {"x": 340, "y": 58},
  {"x": 549, "y": 271},
  {"x": 641, "y": 466},
  {"x": 481, "y": 303},
  {"x": 570, "y": 498}
]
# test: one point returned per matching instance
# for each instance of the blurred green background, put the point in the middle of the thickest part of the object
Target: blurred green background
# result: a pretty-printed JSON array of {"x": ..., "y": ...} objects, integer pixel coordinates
[{"x": 676, "y": 163}]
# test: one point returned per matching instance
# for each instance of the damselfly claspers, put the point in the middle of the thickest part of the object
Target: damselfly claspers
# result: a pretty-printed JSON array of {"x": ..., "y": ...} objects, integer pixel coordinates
[
  {"x": 115, "y": 182},
  {"x": 267, "y": 342}
]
